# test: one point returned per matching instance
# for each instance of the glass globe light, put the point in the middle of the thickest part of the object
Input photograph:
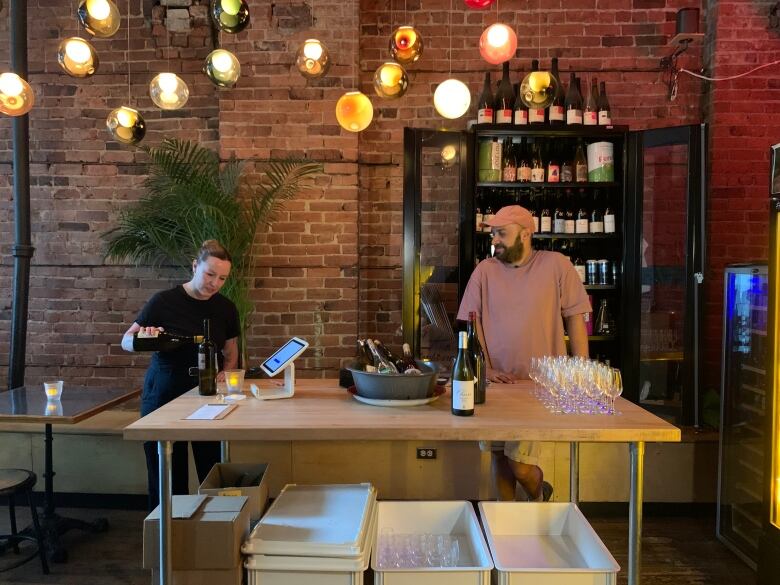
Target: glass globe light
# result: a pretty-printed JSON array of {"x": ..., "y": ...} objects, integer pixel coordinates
[
  {"x": 312, "y": 59},
  {"x": 168, "y": 91},
  {"x": 497, "y": 44},
  {"x": 16, "y": 95},
  {"x": 232, "y": 16},
  {"x": 449, "y": 156},
  {"x": 391, "y": 80},
  {"x": 452, "y": 99},
  {"x": 354, "y": 111},
  {"x": 77, "y": 57},
  {"x": 478, "y": 4},
  {"x": 126, "y": 125},
  {"x": 222, "y": 68},
  {"x": 538, "y": 88},
  {"x": 406, "y": 45},
  {"x": 99, "y": 17}
]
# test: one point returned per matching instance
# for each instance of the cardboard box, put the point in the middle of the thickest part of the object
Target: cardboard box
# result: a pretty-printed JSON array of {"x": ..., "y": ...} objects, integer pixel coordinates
[
  {"x": 207, "y": 533},
  {"x": 227, "y": 479},
  {"x": 204, "y": 577}
]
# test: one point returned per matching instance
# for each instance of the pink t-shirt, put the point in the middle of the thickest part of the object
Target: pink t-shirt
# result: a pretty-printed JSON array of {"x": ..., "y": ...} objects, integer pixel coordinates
[{"x": 522, "y": 307}]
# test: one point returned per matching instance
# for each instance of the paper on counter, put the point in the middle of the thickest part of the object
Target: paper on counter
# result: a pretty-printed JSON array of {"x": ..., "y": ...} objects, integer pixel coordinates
[{"x": 211, "y": 412}]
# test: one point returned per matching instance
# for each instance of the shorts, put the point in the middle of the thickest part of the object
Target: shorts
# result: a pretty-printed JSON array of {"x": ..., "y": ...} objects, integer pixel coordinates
[{"x": 521, "y": 451}]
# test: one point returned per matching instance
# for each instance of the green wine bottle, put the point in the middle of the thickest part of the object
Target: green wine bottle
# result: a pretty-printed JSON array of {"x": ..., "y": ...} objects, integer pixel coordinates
[{"x": 207, "y": 363}]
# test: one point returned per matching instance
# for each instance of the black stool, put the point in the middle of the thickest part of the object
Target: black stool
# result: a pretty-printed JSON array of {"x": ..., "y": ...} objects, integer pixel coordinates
[{"x": 14, "y": 482}]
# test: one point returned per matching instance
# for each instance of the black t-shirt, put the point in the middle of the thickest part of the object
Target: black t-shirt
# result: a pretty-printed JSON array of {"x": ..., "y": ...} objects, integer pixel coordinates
[{"x": 177, "y": 312}]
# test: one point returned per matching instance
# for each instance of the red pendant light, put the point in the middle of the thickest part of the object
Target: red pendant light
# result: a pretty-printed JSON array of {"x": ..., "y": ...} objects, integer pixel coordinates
[
  {"x": 479, "y": 4},
  {"x": 497, "y": 44}
]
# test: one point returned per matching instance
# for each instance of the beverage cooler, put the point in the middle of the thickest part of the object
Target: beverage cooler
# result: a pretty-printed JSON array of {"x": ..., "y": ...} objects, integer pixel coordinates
[
  {"x": 643, "y": 272},
  {"x": 769, "y": 542}
]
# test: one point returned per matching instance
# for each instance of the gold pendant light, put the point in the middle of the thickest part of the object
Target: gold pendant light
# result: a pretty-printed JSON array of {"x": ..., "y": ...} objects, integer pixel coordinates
[
  {"x": 99, "y": 17},
  {"x": 538, "y": 88},
  {"x": 168, "y": 91},
  {"x": 16, "y": 95},
  {"x": 222, "y": 68},
  {"x": 354, "y": 111},
  {"x": 391, "y": 80},
  {"x": 406, "y": 45},
  {"x": 77, "y": 57},
  {"x": 126, "y": 125},
  {"x": 313, "y": 59},
  {"x": 231, "y": 16}
]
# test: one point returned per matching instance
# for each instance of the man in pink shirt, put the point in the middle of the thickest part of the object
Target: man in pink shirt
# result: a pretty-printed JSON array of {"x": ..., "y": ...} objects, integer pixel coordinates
[{"x": 522, "y": 298}]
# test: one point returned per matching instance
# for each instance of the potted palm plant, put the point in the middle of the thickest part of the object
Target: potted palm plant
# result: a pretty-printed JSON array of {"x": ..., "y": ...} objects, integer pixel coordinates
[{"x": 191, "y": 196}]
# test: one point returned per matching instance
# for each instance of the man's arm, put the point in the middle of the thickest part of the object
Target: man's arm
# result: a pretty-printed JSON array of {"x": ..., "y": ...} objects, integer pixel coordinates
[
  {"x": 230, "y": 353},
  {"x": 578, "y": 335}
]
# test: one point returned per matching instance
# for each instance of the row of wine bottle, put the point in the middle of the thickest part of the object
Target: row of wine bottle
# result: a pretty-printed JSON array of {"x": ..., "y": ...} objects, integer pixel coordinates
[
  {"x": 569, "y": 106},
  {"x": 527, "y": 161},
  {"x": 375, "y": 356}
]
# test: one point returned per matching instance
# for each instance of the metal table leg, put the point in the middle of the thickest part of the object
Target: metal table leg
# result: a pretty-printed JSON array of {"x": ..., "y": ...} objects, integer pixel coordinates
[
  {"x": 636, "y": 453},
  {"x": 224, "y": 451},
  {"x": 164, "y": 453},
  {"x": 574, "y": 472}
]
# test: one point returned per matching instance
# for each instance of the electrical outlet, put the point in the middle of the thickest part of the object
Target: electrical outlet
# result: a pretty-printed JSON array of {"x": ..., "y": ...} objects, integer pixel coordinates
[{"x": 426, "y": 453}]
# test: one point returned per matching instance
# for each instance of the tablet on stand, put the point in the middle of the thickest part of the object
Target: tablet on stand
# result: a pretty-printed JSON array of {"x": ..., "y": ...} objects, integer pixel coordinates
[{"x": 282, "y": 360}]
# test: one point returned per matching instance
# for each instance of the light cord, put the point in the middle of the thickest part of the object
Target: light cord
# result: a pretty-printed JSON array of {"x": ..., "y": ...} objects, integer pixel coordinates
[
  {"x": 128, "y": 52},
  {"x": 706, "y": 78}
]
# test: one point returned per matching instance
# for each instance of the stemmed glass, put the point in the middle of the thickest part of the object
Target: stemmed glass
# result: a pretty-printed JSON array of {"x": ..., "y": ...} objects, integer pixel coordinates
[{"x": 614, "y": 388}]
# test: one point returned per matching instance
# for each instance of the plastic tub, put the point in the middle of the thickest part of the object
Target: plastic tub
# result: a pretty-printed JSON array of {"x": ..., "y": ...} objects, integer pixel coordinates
[
  {"x": 395, "y": 386},
  {"x": 545, "y": 544}
]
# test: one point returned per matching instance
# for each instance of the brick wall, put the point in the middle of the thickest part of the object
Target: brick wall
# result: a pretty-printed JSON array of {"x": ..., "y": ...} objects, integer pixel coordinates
[{"x": 330, "y": 266}]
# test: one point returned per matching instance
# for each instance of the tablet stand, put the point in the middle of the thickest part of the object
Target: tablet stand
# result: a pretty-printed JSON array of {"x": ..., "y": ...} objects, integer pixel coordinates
[{"x": 286, "y": 391}]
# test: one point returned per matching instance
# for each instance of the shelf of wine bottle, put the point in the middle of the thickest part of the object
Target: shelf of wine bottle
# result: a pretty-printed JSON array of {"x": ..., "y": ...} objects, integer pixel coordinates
[
  {"x": 597, "y": 337},
  {"x": 561, "y": 130},
  {"x": 531, "y": 185},
  {"x": 598, "y": 287},
  {"x": 600, "y": 236}
]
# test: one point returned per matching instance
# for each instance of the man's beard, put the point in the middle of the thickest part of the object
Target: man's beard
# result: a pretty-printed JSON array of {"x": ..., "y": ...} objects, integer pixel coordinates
[{"x": 511, "y": 254}]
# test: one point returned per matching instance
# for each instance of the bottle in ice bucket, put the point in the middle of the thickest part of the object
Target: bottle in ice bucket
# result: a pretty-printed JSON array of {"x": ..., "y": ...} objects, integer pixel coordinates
[
  {"x": 462, "y": 380},
  {"x": 207, "y": 363},
  {"x": 477, "y": 360},
  {"x": 381, "y": 363}
]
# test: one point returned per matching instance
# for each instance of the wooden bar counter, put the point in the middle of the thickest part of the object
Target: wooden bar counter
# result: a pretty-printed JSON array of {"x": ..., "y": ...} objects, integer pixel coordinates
[{"x": 321, "y": 411}]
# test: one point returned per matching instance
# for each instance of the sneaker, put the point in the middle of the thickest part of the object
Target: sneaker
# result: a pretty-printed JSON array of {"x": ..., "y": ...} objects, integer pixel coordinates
[{"x": 547, "y": 491}]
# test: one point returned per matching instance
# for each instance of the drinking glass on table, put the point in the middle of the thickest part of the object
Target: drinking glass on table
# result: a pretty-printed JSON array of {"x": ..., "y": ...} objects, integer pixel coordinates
[
  {"x": 234, "y": 380},
  {"x": 53, "y": 390}
]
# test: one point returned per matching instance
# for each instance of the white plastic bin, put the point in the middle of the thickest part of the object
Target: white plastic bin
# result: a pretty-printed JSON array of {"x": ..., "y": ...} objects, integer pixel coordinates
[
  {"x": 314, "y": 535},
  {"x": 535, "y": 543},
  {"x": 454, "y": 518}
]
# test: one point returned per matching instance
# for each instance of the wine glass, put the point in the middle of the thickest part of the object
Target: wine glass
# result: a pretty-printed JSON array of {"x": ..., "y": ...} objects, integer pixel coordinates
[{"x": 615, "y": 388}]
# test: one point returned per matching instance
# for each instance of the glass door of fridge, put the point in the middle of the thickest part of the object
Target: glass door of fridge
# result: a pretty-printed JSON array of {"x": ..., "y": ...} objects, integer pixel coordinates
[{"x": 668, "y": 261}]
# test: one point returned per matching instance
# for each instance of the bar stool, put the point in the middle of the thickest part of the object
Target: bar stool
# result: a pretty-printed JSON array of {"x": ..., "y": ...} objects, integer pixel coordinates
[{"x": 15, "y": 482}]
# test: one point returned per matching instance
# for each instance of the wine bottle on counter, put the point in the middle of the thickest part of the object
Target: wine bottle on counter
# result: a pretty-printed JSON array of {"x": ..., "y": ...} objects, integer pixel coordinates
[
  {"x": 477, "y": 359},
  {"x": 605, "y": 112},
  {"x": 590, "y": 110},
  {"x": 505, "y": 98},
  {"x": 381, "y": 363},
  {"x": 535, "y": 115},
  {"x": 207, "y": 363},
  {"x": 573, "y": 103},
  {"x": 557, "y": 109},
  {"x": 485, "y": 104},
  {"x": 462, "y": 380},
  {"x": 580, "y": 164},
  {"x": 163, "y": 341},
  {"x": 407, "y": 365}
]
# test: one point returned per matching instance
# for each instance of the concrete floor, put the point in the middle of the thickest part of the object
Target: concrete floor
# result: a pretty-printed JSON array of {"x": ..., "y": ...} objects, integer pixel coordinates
[{"x": 676, "y": 551}]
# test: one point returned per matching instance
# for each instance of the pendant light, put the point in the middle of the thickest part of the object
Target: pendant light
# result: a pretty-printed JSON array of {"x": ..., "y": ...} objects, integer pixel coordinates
[
  {"x": 99, "y": 17},
  {"x": 222, "y": 68},
  {"x": 391, "y": 80},
  {"x": 406, "y": 44},
  {"x": 313, "y": 58},
  {"x": 77, "y": 57},
  {"x": 354, "y": 111},
  {"x": 538, "y": 88},
  {"x": 168, "y": 91},
  {"x": 497, "y": 44},
  {"x": 452, "y": 98},
  {"x": 231, "y": 16},
  {"x": 449, "y": 156},
  {"x": 479, "y": 4},
  {"x": 16, "y": 95},
  {"x": 126, "y": 124}
]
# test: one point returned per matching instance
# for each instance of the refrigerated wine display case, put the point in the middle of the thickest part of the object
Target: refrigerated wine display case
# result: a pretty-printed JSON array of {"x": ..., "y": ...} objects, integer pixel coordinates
[
  {"x": 648, "y": 269},
  {"x": 744, "y": 386}
]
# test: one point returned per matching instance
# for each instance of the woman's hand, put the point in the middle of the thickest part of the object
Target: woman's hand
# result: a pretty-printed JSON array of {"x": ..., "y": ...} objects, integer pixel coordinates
[
  {"x": 500, "y": 377},
  {"x": 150, "y": 331}
]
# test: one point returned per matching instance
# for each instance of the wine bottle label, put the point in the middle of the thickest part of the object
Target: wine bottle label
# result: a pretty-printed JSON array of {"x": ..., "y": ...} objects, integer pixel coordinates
[
  {"x": 495, "y": 156},
  {"x": 559, "y": 226},
  {"x": 590, "y": 118},
  {"x": 574, "y": 116},
  {"x": 478, "y": 221},
  {"x": 370, "y": 368},
  {"x": 605, "y": 118},
  {"x": 609, "y": 224},
  {"x": 553, "y": 174},
  {"x": 509, "y": 175},
  {"x": 524, "y": 174},
  {"x": 537, "y": 175},
  {"x": 546, "y": 224},
  {"x": 580, "y": 271},
  {"x": 463, "y": 394},
  {"x": 485, "y": 116},
  {"x": 503, "y": 116},
  {"x": 486, "y": 218},
  {"x": 556, "y": 113},
  {"x": 568, "y": 226},
  {"x": 566, "y": 174},
  {"x": 597, "y": 227},
  {"x": 201, "y": 361},
  {"x": 521, "y": 117},
  {"x": 581, "y": 173},
  {"x": 536, "y": 115},
  {"x": 536, "y": 222},
  {"x": 581, "y": 227}
]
